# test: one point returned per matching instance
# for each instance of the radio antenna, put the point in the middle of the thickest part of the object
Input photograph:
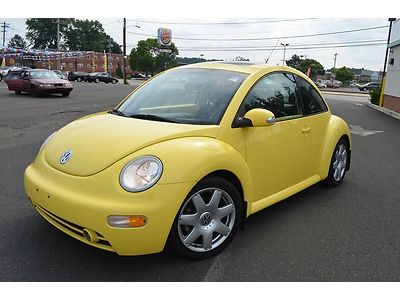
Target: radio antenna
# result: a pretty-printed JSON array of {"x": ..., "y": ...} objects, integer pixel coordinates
[{"x": 272, "y": 51}]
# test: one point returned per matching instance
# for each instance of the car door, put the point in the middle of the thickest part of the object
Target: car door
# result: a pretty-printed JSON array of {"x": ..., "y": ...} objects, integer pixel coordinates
[
  {"x": 278, "y": 155},
  {"x": 26, "y": 82},
  {"x": 16, "y": 83},
  {"x": 317, "y": 116}
]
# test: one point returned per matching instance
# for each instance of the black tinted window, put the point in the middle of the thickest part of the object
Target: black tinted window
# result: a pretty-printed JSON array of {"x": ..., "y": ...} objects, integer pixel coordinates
[
  {"x": 312, "y": 100},
  {"x": 277, "y": 93}
]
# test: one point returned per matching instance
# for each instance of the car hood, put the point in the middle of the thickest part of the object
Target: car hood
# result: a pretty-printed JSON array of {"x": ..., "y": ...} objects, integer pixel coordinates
[{"x": 100, "y": 140}]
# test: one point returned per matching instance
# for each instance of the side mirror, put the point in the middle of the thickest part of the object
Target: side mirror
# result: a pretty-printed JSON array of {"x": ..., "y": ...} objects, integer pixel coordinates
[{"x": 260, "y": 117}]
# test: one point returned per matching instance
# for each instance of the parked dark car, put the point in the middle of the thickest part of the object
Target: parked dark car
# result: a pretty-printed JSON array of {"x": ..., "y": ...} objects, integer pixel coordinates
[
  {"x": 369, "y": 86},
  {"x": 61, "y": 74},
  {"x": 138, "y": 76},
  {"x": 77, "y": 76},
  {"x": 37, "y": 82},
  {"x": 101, "y": 77}
]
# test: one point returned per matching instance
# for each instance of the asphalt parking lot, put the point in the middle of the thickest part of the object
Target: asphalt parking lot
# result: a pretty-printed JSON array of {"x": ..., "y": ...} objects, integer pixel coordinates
[{"x": 349, "y": 233}]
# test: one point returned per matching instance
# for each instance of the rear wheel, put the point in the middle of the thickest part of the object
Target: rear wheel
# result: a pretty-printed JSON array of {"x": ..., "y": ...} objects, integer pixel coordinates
[
  {"x": 79, "y": 79},
  {"x": 208, "y": 219},
  {"x": 18, "y": 92},
  {"x": 65, "y": 94},
  {"x": 97, "y": 80},
  {"x": 114, "y": 81},
  {"x": 339, "y": 161}
]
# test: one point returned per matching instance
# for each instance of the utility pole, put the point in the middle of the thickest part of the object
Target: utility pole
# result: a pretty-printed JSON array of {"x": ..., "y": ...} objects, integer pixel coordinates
[
  {"x": 5, "y": 26},
  {"x": 58, "y": 45},
  {"x": 124, "y": 50},
  {"x": 334, "y": 61},
  {"x": 284, "y": 53}
]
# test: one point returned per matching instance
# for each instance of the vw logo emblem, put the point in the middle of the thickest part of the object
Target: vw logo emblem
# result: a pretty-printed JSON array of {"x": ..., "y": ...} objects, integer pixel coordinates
[{"x": 66, "y": 156}]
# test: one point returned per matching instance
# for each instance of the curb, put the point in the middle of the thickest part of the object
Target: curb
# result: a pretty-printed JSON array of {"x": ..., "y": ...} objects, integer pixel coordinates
[
  {"x": 386, "y": 111},
  {"x": 355, "y": 94}
]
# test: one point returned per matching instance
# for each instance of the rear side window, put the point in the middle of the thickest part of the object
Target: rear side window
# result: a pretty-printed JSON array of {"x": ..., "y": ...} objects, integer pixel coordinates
[{"x": 312, "y": 100}]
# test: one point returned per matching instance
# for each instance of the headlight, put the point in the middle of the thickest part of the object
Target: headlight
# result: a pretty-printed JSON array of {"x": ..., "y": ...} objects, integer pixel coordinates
[
  {"x": 141, "y": 174},
  {"x": 47, "y": 140},
  {"x": 45, "y": 84}
]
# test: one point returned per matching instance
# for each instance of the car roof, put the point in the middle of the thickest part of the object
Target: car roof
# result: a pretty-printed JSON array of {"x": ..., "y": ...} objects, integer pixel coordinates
[{"x": 243, "y": 67}]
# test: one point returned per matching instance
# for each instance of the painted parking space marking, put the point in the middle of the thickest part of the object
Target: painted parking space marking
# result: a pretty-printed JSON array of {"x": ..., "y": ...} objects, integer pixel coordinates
[{"x": 358, "y": 130}]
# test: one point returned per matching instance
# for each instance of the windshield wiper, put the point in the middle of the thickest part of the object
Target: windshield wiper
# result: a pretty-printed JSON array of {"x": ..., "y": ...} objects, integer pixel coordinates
[
  {"x": 152, "y": 118},
  {"x": 117, "y": 112}
]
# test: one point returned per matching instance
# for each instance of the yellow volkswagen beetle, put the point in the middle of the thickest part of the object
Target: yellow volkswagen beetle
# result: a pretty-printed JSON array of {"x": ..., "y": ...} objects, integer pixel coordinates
[{"x": 186, "y": 157}]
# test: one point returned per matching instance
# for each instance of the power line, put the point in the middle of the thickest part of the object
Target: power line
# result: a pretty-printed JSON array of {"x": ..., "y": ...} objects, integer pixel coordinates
[
  {"x": 268, "y": 38},
  {"x": 292, "y": 45},
  {"x": 249, "y": 49},
  {"x": 221, "y": 23}
]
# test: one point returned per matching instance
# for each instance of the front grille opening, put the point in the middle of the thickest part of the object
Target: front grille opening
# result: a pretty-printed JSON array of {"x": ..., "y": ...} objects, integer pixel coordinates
[{"x": 74, "y": 228}]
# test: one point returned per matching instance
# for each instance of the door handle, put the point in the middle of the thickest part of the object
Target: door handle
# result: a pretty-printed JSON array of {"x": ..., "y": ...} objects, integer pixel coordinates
[{"x": 306, "y": 130}]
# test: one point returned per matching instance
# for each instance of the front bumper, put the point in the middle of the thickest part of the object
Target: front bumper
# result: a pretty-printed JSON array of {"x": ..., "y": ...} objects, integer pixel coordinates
[
  {"x": 73, "y": 203},
  {"x": 53, "y": 90}
]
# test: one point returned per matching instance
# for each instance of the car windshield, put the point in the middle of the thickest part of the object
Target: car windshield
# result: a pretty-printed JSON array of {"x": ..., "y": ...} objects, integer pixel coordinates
[
  {"x": 188, "y": 96},
  {"x": 44, "y": 75}
]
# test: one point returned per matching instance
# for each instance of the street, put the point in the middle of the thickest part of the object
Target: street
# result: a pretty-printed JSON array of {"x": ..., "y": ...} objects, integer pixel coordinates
[{"x": 348, "y": 233}]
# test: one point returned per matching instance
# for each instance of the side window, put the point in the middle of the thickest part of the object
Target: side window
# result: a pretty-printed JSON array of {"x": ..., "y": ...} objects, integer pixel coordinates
[
  {"x": 312, "y": 100},
  {"x": 276, "y": 92}
]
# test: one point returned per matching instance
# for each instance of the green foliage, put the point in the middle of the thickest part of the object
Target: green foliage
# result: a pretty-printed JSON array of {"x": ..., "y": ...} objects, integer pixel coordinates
[
  {"x": 294, "y": 62},
  {"x": 75, "y": 34},
  {"x": 316, "y": 67},
  {"x": 146, "y": 57},
  {"x": 375, "y": 96},
  {"x": 343, "y": 74},
  {"x": 17, "y": 42},
  {"x": 303, "y": 65},
  {"x": 42, "y": 33}
]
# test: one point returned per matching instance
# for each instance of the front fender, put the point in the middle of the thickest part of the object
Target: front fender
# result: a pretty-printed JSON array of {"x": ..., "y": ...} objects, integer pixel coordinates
[
  {"x": 190, "y": 159},
  {"x": 336, "y": 129}
]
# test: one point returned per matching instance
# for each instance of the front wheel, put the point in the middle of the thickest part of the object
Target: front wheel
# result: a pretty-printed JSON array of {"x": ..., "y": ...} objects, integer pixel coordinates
[
  {"x": 97, "y": 80},
  {"x": 339, "y": 161},
  {"x": 207, "y": 220}
]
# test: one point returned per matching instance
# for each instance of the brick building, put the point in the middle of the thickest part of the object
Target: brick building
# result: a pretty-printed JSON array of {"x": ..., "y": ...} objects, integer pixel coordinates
[{"x": 86, "y": 62}]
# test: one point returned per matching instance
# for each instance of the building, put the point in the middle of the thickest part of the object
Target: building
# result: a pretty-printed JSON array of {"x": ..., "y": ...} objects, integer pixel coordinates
[
  {"x": 87, "y": 62},
  {"x": 391, "y": 93},
  {"x": 84, "y": 61}
]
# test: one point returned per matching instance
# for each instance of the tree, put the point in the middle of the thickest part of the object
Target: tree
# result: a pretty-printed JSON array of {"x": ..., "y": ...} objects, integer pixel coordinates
[
  {"x": 294, "y": 62},
  {"x": 86, "y": 35},
  {"x": 42, "y": 33},
  {"x": 343, "y": 74},
  {"x": 147, "y": 58},
  {"x": 316, "y": 67},
  {"x": 17, "y": 42}
]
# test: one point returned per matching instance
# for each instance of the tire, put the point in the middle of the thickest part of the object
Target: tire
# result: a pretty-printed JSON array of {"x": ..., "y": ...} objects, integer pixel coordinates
[
  {"x": 113, "y": 81},
  {"x": 79, "y": 79},
  {"x": 34, "y": 92},
  {"x": 65, "y": 94},
  {"x": 1, "y": 77},
  {"x": 17, "y": 92},
  {"x": 97, "y": 80},
  {"x": 207, "y": 220},
  {"x": 338, "y": 165}
]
